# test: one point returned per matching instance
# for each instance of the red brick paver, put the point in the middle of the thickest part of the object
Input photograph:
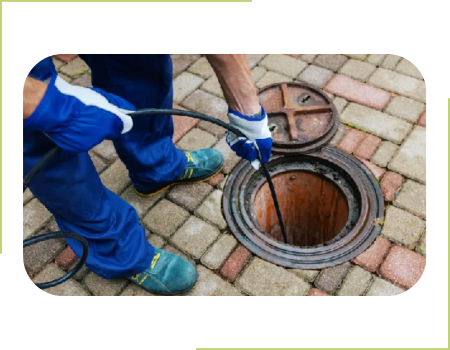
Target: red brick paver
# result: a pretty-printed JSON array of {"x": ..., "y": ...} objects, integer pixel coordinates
[
  {"x": 374, "y": 169},
  {"x": 423, "y": 119},
  {"x": 182, "y": 124},
  {"x": 368, "y": 146},
  {"x": 235, "y": 263},
  {"x": 66, "y": 57},
  {"x": 358, "y": 92},
  {"x": 389, "y": 184},
  {"x": 403, "y": 267},
  {"x": 316, "y": 292},
  {"x": 293, "y": 55},
  {"x": 351, "y": 141},
  {"x": 371, "y": 258},
  {"x": 66, "y": 258},
  {"x": 216, "y": 179}
]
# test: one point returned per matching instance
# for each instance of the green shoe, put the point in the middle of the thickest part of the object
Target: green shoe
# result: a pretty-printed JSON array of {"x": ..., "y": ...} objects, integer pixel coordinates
[
  {"x": 202, "y": 165},
  {"x": 168, "y": 274}
]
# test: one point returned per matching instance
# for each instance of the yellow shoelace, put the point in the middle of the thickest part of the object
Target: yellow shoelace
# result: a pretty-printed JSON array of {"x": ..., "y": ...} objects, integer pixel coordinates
[{"x": 155, "y": 260}]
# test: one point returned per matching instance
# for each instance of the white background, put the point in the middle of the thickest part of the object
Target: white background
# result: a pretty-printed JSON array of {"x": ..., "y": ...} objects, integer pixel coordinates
[{"x": 417, "y": 30}]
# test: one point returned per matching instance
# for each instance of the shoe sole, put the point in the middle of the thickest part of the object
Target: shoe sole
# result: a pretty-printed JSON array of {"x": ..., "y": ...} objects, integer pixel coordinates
[{"x": 178, "y": 294}]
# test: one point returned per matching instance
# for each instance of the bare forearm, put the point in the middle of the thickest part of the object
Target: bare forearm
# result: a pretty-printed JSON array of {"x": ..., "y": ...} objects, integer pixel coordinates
[
  {"x": 236, "y": 82},
  {"x": 33, "y": 92}
]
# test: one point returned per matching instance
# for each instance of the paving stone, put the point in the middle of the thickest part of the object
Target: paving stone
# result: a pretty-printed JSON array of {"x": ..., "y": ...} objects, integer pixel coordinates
[
  {"x": 412, "y": 197},
  {"x": 361, "y": 57},
  {"x": 35, "y": 215},
  {"x": 315, "y": 292},
  {"x": 133, "y": 290},
  {"x": 235, "y": 263},
  {"x": 423, "y": 119},
  {"x": 216, "y": 180},
  {"x": 156, "y": 241},
  {"x": 390, "y": 183},
  {"x": 140, "y": 203},
  {"x": 380, "y": 287},
  {"x": 211, "y": 210},
  {"x": 330, "y": 278},
  {"x": 65, "y": 78},
  {"x": 165, "y": 218},
  {"x": 102, "y": 287},
  {"x": 374, "y": 169},
  {"x": 184, "y": 85},
  {"x": 171, "y": 249},
  {"x": 356, "y": 282},
  {"x": 230, "y": 158},
  {"x": 115, "y": 178},
  {"x": 405, "y": 108},
  {"x": 398, "y": 83},
  {"x": 75, "y": 68},
  {"x": 196, "y": 139},
  {"x": 27, "y": 196},
  {"x": 294, "y": 55},
  {"x": 257, "y": 74},
  {"x": 375, "y": 59},
  {"x": 106, "y": 150},
  {"x": 402, "y": 227},
  {"x": 357, "y": 69},
  {"x": 422, "y": 245},
  {"x": 68, "y": 288},
  {"x": 66, "y": 57},
  {"x": 351, "y": 141},
  {"x": 375, "y": 122},
  {"x": 356, "y": 91},
  {"x": 368, "y": 146},
  {"x": 307, "y": 275},
  {"x": 195, "y": 236},
  {"x": 208, "y": 104},
  {"x": 283, "y": 64},
  {"x": 407, "y": 68},
  {"x": 316, "y": 76},
  {"x": 372, "y": 257},
  {"x": 253, "y": 60},
  {"x": 308, "y": 58},
  {"x": 390, "y": 61},
  {"x": 342, "y": 130},
  {"x": 264, "y": 278},
  {"x": 410, "y": 160},
  {"x": 272, "y": 78},
  {"x": 403, "y": 267},
  {"x": 340, "y": 103},
  {"x": 212, "y": 86},
  {"x": 182, "y": 62},
  {"x": 84, "y": 80},
  {"x": 223, "y": 183},
  {"x": 384, "y": 153},
  {"x": 57, "y": 63},
  {"x": 191, "y": 195},
  {"x": 99, "y": 164},
  {"x": 219, "y": 251},
  {"x": 209, "y": 284},
  {"x": 202, "y": 68},
  {"x": 66, "y": 258},
  {"x": 182, "y": 125},
  {"x": 332, "y": 62}
]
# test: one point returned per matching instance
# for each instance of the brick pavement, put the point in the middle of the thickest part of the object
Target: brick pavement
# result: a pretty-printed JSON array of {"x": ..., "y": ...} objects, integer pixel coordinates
[{"x": 382, "y": 109}]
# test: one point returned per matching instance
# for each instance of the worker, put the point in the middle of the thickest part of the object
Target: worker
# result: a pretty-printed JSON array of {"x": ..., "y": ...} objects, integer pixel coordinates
[{"x": 76, "y": 119}]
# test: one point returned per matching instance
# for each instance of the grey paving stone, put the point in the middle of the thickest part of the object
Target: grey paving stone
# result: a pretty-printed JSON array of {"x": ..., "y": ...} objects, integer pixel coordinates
[
  {"x": 133, "y": 290},
  {"x": 407, "y": 68},
  {"x": 307, "y": 275},
  {"x": 212, "y": 86},
  {"x": 75, "y": 68},
  {"x": 68, "y": 288},
  {"x": 410, "y": 160},
  {"x": 57, "y": 63},
  {"x": 184, "y": 85},
  {"x": 65, "y": 78},
  {"x": 35, "y": 215},
  {"x": 140, "y": 203},
  {"x": 116, "y": 177},
  {"x": 27, "y": 196},
  {"x": 375, "y": 122},
  {"x": 195, "y": 236},
  {"x": 357, "y": 69},
  {"x": 316, "y": 76},
  {"x": 331, "y": 62},
  {"x": 165, "y": 218},
  {"x": 98, "y": 162},
  {"x": 361, "y": 57},
  {"x": 190, "y": 196},
  {"x": 398, "y": 83},
  {"x": 230, "y": 158},
  {"x": 402, "y": 227},
  {"x": 182, "y": 62},
  {"x": 375, "y": 59},
  {"x": 412, "y": 197},
  {"x": 196, "y": 139},
  {"x": 219, "y": 251},
  {"x": 202, "y": 68},
  {"x": 263, "y": 278},
  {"x": 384, "y": 153},
  {"x": 422, "y": 245},
  {"x": 102, "y": 287},
  {"x": 203, "y": 102},
  {"x": 209, "y": 284},
  {"x": 308, "y": 58},
  {"x": 390, "y": 61},
  {"x": 81, "y": 273},
  {"x": 254, "y": 59},
  {"x": 342, "y": 130},
  {"x": 405, "y": 108},
  {"x": 340, "y": 104},
  {"x": 330, "y": 278},
  {"x": 211, "y": 210},
  {"x": 283, "y": 64},
  {"x": 156, "y": 241},
  {"x": 380, "y": 287},
  {"x": 106, "y": 150},
  {"x": 272, "y": 78},
  {"x": 83, "y": 80},
  {"x": 257, "y": 74},
  {"x": 356, "y": 282}
]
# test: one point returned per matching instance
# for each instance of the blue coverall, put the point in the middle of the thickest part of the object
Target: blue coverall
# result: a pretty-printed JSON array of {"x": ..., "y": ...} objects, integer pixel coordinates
[{"x": 69, "y": 185}]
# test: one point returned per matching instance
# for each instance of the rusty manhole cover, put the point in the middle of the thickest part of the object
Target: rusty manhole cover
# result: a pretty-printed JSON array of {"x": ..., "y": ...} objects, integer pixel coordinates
[{"x": 302, "y": 117}]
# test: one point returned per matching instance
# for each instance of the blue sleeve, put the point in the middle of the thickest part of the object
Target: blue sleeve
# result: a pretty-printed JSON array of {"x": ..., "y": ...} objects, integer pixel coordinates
[{"x": 43, "y": 70}]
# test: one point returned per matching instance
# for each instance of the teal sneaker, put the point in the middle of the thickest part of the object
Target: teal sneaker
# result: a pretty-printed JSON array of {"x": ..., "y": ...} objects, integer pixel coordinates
[
  {"x": 168, "y": 274},
  {"x": 202, "y": 165}
]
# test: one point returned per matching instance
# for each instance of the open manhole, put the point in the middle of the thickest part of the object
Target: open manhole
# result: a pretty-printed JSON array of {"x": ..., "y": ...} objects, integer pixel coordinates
[{"x": 329, "y": 201}]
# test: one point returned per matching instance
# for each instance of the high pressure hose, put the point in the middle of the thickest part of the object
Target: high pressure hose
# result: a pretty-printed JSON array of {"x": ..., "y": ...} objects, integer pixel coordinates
[{"x": 71, "y": 235}]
